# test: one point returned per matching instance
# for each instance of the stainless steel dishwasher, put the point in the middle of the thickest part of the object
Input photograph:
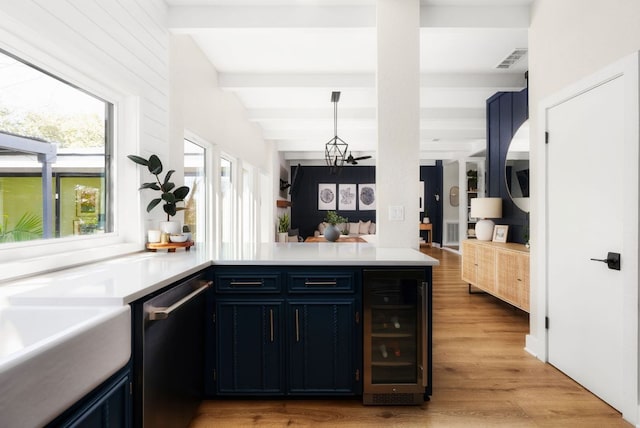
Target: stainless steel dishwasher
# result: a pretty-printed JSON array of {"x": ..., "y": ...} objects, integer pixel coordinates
[{"x": 169, "y": 355}]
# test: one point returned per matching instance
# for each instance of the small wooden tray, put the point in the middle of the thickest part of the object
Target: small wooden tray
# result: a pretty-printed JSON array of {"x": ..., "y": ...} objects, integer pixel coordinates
[{"x": 170, "y": 246}]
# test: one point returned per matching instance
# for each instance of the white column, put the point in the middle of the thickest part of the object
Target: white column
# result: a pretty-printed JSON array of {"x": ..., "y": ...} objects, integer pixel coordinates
[{"x": 397, "y": 160}]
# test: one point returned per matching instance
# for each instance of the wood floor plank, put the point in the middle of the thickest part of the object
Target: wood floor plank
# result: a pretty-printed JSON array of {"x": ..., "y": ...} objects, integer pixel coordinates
[{"x": 482, "y": 377}]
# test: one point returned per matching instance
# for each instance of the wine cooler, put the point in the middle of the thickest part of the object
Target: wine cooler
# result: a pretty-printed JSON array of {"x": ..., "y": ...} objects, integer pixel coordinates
[{"x": 397, "y": 336}]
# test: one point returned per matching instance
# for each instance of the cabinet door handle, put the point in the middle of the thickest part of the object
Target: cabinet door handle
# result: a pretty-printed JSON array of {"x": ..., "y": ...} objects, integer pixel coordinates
[
  {"x": 246, "y": 283},
  {"x": 271, "y": 323},
  {"x": 297, "y": 326},
  {"x": 309, "y": 283},
  {"x": 164, "y": 312}
]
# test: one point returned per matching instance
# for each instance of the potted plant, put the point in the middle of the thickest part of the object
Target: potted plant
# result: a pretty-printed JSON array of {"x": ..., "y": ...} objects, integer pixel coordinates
[
  {"x": 169, "y": 194},
  {"x": 331, "y": 232},
  {"x": 283, "y": 227}
]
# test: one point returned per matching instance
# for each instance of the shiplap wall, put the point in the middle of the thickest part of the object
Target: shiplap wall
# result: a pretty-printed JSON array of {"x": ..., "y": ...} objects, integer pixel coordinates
[{"x": 115, "y": 48}]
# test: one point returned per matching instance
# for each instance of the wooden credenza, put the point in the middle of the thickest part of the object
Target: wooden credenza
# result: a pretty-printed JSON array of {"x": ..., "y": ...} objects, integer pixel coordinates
[{"x": 498, "y": 269}]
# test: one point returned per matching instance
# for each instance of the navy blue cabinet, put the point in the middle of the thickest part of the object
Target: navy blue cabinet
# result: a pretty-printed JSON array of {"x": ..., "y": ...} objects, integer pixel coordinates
[
  {"x": 286, "y": 331},
  {"x": 250, "y": 347},
  {"x": 321, "y": 348},
  {"x": 108, "y": 406}
]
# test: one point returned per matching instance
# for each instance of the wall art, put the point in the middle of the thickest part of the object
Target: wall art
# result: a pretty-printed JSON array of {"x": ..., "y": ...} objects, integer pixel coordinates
[
  {"x": 347, "y": 197},
  {"x": 326, "y": 196},
  {"x": 367, "y": 197}
]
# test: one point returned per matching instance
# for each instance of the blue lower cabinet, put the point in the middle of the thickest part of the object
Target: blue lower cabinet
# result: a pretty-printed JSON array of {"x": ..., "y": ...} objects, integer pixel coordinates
[
  {"x": 249, "y": 347},
  {"x": 305, "y": 338},
  {"x": 321, "y": 343},
  {"x": 108, "y": 406}
]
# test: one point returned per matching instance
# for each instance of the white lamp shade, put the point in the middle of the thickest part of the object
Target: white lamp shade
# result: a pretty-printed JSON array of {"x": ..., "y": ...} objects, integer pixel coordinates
[{"x": 486, "y": 208}]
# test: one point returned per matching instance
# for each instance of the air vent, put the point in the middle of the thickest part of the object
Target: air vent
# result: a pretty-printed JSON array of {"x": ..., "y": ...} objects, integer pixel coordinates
[{"x": 512, "y": 58}]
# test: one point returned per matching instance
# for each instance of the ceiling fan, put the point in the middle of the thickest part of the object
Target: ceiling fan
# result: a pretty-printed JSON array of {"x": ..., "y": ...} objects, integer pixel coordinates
[{"x": 354, "y": 161}]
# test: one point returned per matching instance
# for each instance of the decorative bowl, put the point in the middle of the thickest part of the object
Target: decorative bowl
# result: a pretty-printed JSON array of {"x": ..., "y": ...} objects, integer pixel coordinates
[{"x": 178, "y": 238}]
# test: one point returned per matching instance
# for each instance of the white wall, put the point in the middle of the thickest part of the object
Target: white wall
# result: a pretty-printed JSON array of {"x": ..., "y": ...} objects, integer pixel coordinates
[
  {"x": 210, "y": 112},
  {"x": 568, "y": 40},
  {"x": 449, "y": 179}
]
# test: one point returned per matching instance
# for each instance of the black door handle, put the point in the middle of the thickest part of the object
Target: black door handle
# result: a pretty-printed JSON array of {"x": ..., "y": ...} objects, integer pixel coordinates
[{"x": 612, "y": 261}]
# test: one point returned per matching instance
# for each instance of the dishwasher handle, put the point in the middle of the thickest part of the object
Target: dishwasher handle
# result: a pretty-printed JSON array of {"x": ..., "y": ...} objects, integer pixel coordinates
[{"x": 163, "y": 313}]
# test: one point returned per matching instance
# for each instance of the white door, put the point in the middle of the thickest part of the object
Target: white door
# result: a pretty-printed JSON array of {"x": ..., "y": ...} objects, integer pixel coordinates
[{"x": 586, "y": 219}]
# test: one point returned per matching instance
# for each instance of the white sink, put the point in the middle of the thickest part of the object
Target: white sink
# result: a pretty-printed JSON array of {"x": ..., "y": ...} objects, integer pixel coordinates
[{"x": 52, "y": 356}]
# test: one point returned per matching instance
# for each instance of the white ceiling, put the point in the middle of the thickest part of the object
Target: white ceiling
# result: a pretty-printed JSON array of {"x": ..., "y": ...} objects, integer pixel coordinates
[{"x": 283, "y": 58}]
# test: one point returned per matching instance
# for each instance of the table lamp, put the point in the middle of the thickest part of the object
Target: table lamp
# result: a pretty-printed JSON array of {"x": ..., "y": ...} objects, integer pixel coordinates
[{"x": 484, "y": 209}]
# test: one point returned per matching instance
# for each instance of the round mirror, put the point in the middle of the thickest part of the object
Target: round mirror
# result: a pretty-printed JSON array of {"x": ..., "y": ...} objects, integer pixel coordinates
[{"x": 517, "y": 168}]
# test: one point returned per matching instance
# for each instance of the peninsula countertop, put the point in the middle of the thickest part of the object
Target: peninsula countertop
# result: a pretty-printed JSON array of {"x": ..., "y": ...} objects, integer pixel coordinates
[{"x": 123, "y": 280}]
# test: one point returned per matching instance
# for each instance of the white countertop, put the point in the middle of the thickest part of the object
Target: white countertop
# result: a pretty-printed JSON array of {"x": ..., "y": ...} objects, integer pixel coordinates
[
  {"x": 329, "y": 253},
  {"x": 117, "y": 281},
  {"x": 123, "y": 280}
]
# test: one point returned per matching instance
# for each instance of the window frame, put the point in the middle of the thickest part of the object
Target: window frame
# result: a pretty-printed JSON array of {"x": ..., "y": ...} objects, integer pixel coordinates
[{"x": 32, "y": 257}]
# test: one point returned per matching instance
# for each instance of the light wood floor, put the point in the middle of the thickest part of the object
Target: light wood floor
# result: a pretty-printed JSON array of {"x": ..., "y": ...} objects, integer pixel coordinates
[{"x": 482, "y": 377}]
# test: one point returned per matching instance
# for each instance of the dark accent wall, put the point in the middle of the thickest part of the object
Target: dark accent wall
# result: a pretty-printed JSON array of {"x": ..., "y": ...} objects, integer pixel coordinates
[
  {"x": 506, "y": 111},
  {"x": 433, "y": 183},
  {"x": 305, "y": 215}
]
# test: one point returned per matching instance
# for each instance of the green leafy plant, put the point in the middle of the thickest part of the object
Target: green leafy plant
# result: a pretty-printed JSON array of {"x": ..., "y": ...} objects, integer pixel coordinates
[
  {"x": 169, "y": 193},
  {"x": 333, "y": 218},
  {"x": 283, "y": 223},
  {"x": 28, "y": 227}
]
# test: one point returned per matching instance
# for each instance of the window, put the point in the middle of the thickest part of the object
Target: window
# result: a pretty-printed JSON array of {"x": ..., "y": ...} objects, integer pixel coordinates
[
  {"x": 196, "y": 202},
  {"x": 55, "y": 151},
  {"x": 226, "y": 216}
]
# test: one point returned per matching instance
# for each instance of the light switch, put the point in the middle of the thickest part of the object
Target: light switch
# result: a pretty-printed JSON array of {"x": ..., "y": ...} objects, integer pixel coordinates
[{"x": 396, "y": 213}]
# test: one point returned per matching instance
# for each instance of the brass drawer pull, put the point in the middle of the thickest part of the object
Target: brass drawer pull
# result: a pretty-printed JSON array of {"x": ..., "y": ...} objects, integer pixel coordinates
[
  {"x": 246, "y": 283},
  {"x": 297, "y": 326},
  {"x": 271, "y": 322},
  {"x": 309, "y": 283}
]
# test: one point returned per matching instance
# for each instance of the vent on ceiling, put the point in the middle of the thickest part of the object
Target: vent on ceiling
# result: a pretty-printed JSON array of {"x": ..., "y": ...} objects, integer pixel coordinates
[{"x": 512, "y": 58}]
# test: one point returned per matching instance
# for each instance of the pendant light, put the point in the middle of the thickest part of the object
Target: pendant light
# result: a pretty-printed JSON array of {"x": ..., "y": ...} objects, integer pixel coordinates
[{"x": 335, "y": 151}]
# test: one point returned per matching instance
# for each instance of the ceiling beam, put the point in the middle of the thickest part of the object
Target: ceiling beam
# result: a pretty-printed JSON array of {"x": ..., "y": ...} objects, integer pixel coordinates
[
  {"x": 497, "y": 81},
  {"x": 189, "y": 18},
  {"x": 266, "y": 114}
]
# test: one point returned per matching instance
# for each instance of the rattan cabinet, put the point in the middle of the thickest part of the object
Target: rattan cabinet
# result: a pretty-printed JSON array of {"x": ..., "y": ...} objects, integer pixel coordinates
[{"x": 499, "y": 269}]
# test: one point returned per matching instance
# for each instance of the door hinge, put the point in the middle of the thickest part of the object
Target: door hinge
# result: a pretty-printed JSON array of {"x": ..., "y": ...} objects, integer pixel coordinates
[
  {"x": 357, "y": 317},
  {"x": 215, "y": 375},
  {"x": 214, "y": 317},
  {"x": 546, "y": 138},
  {"x": 546, "y": 323},
  {"x": 357, "y": 375}
]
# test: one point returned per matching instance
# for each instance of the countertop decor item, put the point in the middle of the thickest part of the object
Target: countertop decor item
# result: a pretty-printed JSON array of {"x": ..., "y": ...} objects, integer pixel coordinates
[
  {"x": 178, "y": 238},
  {"x": 170, "y": 195}
]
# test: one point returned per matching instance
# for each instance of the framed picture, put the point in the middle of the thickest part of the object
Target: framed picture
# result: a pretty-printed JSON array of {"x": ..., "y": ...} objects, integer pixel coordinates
[
  {"x": 367, "y": 197},
  {"x": 87, "y": 201},
  {"x": 500, "y": 233},
  {"x": 326, "y": 196},
  {"x": 347, "y": 197}
]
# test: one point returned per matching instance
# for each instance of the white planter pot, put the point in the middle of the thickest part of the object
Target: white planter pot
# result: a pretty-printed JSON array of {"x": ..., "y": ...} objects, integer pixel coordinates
[
  {"x": 282, "y": 236},
  {"x": 171, "y": 227}
]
